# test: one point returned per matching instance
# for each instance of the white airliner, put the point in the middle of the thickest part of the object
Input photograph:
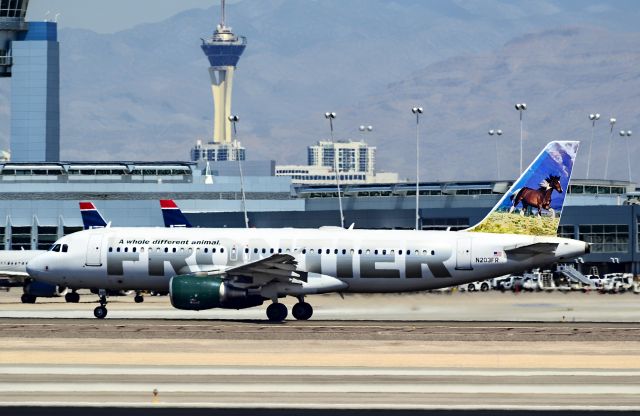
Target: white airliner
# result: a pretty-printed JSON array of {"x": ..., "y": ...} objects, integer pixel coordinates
[{"x": 240, "y": 268}]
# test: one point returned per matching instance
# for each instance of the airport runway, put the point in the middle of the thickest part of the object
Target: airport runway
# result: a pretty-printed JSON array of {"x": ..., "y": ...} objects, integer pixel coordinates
[{"x": 244, "y": 364}]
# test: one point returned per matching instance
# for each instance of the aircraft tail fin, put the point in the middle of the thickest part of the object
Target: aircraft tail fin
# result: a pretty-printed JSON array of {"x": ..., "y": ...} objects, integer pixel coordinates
[
  {"x": 91, "y": 217},
  {"x": 172, "y": 215},
  {"x": 533, "y": 205}
]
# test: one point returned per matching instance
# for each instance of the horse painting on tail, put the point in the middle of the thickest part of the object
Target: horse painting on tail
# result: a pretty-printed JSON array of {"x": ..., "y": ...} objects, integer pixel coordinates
[{"x": 537, "y": 198}]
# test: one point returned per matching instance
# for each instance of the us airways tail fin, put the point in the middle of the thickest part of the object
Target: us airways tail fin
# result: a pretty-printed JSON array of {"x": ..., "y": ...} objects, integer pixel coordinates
[
  {"x": 534, "y": 203},
  {"x": 172, "y": 215},
  {"x": 91, "y": 217}
]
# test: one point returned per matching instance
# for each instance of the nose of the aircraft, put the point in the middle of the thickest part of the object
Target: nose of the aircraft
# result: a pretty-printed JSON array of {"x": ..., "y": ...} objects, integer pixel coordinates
[{"x": 35, "y": 266}]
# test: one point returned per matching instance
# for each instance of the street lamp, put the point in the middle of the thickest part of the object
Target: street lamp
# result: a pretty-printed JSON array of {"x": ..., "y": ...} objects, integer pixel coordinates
[
  {"x": 496, "y": 133},
  {"x": 593, "y": 117},
  {"x": 331, "y": 116},
  {"x": 627, "y": 134},
  {"x": 612, "y": 122},
  {"x": 234, "y": 119},
  {"x": 417, "y": 111},
  {"x": 521, "y": 107}
]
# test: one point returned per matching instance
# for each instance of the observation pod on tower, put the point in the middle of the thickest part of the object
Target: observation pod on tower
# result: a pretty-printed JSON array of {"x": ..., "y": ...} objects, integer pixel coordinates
[{"x": 223, "y": 50}]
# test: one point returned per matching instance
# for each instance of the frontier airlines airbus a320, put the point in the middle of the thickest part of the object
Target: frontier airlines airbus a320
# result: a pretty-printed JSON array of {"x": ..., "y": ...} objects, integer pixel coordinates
[{"x": 206, "y": 268}]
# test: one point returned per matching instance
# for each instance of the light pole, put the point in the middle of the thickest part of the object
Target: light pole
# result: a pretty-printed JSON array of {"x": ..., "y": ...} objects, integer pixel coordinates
[
  {"x": 496, "y": 133},
  {"x": 593, "y": 117},
  {"x": 331, "y": 116},
  {"x": 612, "y": 122},
  {"x": 417, "y": 111},
  {"x": 234, "y": 119},
  {"x": 627, "y": 134},
  {"x": 521, "y": 107}
]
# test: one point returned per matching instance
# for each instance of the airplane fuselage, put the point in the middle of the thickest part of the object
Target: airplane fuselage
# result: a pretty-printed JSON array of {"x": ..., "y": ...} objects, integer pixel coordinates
[{"x": 366, "y": 260}]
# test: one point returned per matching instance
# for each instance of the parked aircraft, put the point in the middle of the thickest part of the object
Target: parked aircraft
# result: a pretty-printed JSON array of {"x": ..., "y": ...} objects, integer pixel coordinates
[{"x": 240, "y": 268}]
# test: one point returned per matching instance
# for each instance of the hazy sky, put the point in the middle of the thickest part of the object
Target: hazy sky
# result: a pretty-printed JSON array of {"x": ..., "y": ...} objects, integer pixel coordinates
[{"x": 107, "y": 16}]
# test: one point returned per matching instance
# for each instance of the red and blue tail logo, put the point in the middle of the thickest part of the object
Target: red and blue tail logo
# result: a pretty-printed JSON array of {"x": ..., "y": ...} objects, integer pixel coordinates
[
  {"x": 91, "y": 217},
  {"x": 172, "y": 215}
]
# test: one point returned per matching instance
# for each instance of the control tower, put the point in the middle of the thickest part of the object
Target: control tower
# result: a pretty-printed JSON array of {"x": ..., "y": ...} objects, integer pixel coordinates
[
  {"x": 223, "y": 50},
  {"x": 12, "y": 27}
]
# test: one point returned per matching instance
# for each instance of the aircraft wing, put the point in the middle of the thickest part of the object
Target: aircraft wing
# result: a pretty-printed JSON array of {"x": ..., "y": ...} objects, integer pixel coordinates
[
  {"x": 278, "y": 267},
  {"x": 532, "y": 249}
]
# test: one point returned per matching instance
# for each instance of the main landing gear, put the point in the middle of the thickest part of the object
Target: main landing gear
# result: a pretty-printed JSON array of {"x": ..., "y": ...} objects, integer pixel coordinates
[
  {"x": 277, "y": 312},
  {"x": 72, "y": 297},
  {"x": 100, "y": 312},
  {"x": 27, "y": 298},
  {"x": 139, "y": 298}
]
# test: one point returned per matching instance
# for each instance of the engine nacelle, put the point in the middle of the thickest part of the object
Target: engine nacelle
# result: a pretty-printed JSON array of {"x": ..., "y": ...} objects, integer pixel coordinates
[
  {"x": 198, "y": 293},
  {"x": 43, "y": 290}
]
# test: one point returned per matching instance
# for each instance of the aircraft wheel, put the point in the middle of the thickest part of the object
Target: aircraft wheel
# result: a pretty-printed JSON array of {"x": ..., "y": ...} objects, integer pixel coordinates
[
  {"x": 100, "y": 312},
  {"x": 471, "y": 288},
  {"x": 484, "y": 287},
  {"x": 138, "y": 299},
  {"x": 27, "y": 298},
  {"x": 302, "y": 311},
  {"x": 277, "y": 312},
  {"x": 72, "y": 297}
]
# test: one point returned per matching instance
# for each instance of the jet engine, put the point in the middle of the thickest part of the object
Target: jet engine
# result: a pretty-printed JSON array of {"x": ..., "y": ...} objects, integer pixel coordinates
[
  {"x": 198, "y": 293},
  {"x": 43, "y": 290}
]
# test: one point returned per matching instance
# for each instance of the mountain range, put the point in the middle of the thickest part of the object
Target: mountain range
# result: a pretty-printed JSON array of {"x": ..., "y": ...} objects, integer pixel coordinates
[{"x": 143, "y": 93}]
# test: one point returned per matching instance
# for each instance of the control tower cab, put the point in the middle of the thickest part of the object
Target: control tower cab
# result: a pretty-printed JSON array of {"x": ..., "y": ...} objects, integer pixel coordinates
[
  {"x": 12, "y": 27},
  {"x": 223, "y": 50}
]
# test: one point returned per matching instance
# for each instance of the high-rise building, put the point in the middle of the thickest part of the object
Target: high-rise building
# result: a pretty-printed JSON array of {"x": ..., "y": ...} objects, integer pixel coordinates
[
  {"x": 30, "y": 55},
  {"x": 356, "y": 163},
  {"x": 223, "y": 50}
]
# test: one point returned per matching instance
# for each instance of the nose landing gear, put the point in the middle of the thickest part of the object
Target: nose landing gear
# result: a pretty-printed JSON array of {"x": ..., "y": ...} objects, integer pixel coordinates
[{"x": 100, "y": 312}]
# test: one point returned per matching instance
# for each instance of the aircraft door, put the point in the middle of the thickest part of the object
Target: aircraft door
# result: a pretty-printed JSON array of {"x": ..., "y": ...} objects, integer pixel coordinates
[
  {"x": 463, "y": 254},
  {"x": 94, "y": 250}
]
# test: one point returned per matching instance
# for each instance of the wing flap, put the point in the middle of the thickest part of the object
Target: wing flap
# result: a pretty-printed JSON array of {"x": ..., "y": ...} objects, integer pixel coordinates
[{"x": 280, "y": 267}]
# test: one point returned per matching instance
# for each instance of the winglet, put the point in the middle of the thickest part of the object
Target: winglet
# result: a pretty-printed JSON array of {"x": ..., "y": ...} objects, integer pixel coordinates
[{"x": 533, "y": 205}]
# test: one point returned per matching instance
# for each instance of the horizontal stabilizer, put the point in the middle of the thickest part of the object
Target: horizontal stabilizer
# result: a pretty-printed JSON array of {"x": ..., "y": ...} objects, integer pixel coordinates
[{"x": 532, "y": 249}]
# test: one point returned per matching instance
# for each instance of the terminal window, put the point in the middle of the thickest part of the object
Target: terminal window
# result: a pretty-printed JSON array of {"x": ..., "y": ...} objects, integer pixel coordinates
[
  {"x": 606, "y": 238},
  {"x": 567, "y": 231}
]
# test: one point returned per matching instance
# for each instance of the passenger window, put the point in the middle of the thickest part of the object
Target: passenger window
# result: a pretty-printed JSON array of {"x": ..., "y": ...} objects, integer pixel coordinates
[
  {"x": 433, "y": 253},
  {"x": 174, "y": 249},
  {"x": 118, "y": 249},
  {"x": 141, "y": 249},
  {"x": 328, "y": 251},
  {"x": 375, "y": 252},
  {"x": 279, "y": 250},
  {"x": 352, "y": 251},
  {"x": 206, "y": 250},
  {"x": 368, "y": 251},
  {"x": 384, "y": 252},
  {"x": 264, "y": 251},
  {"x": 359, "y": 251},
  {"x": 166, "y": 249},
  {"x": 344, "y": 251},
  {"x": 110, "y": 249},
  {"x": 271, "y": 251},
  {"x": 246, "y": 250},
  {"x": 213, "y": 250},
  {"x": 255, "y": 250},
  {"x": 65, "y": 248},
  {"x": 304, "y": 251},
  {"x": 400, "y": 252},
  {"x": 126, "y": 249}
]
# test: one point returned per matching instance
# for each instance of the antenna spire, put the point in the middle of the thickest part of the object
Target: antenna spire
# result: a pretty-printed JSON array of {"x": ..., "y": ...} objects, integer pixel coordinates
[{"x": 223, "y": 16}]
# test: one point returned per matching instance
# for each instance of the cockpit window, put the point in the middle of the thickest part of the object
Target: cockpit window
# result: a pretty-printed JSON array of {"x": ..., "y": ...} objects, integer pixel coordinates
[
  {"x": 65, "y": 248},
  {"x": 56, "y": 248}
]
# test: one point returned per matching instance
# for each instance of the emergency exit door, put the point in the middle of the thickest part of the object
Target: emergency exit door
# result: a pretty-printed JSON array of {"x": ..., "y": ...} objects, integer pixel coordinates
[{"x": 94, "y": 251}]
